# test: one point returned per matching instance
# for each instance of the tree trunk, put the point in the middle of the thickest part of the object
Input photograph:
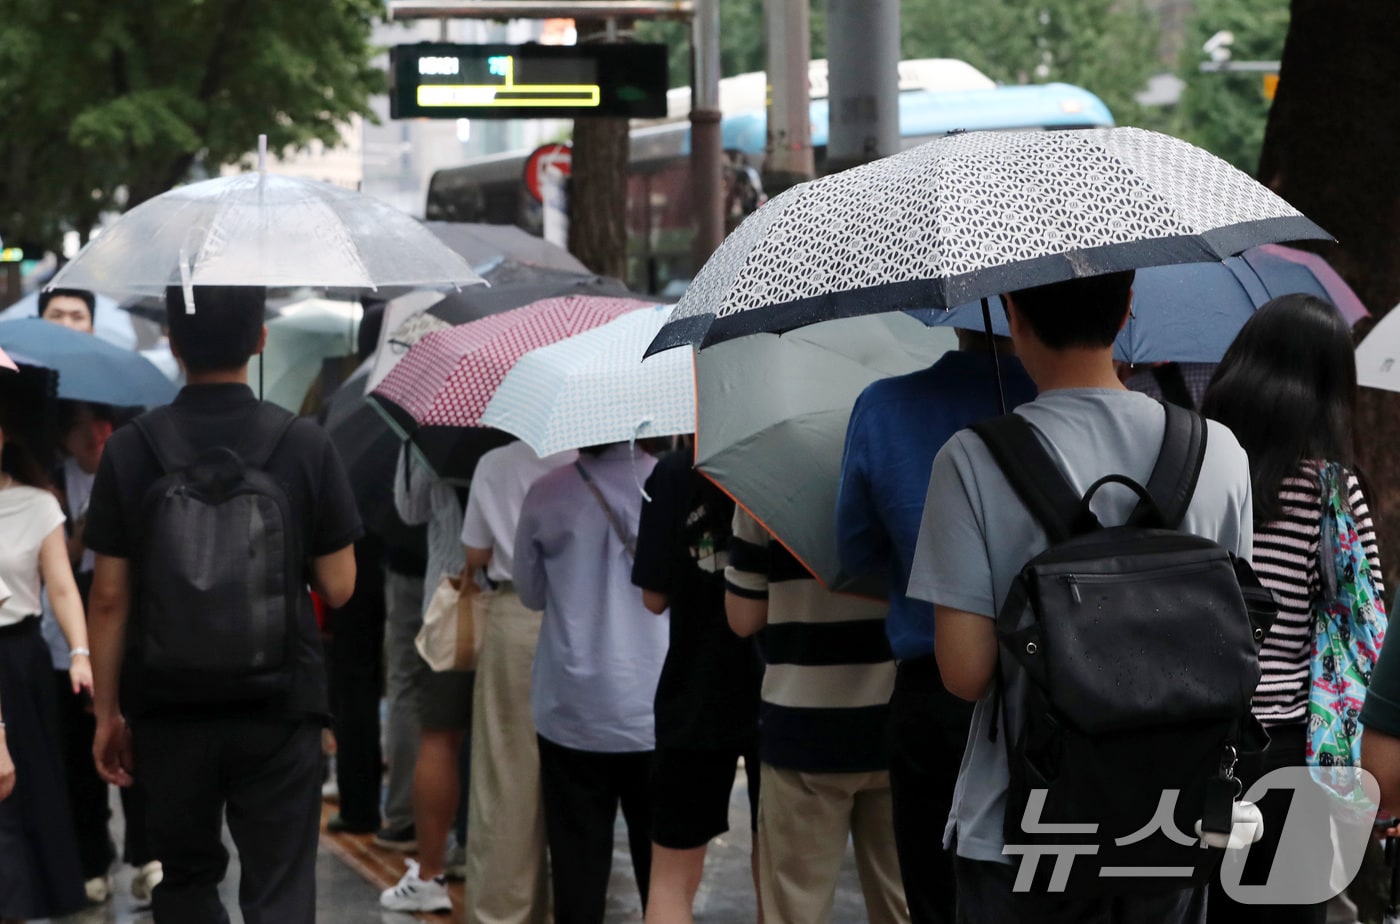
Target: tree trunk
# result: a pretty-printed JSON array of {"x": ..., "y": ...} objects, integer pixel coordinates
[
  {"x": 1329, "y": 150},
  {"x": 598, "y": 187}
]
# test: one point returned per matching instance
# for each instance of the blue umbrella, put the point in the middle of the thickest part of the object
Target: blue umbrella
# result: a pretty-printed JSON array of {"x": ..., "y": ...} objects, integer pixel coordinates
[
  {"x": 1187, "y": 312},
  {"x": 89, "y": 368}
]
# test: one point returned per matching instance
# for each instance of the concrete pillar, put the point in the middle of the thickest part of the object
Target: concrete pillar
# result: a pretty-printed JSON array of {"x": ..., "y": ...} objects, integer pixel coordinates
[
  {"x": 862, "y": 49},
  {"x": 788, "y": 160}
]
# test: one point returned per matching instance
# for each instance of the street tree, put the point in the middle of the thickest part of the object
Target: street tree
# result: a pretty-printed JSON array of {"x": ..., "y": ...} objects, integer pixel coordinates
[
  {"x": 1225, "y": 111},
  {"x": 1328, "y": 149},
  {"x": 112, "y": 103}
]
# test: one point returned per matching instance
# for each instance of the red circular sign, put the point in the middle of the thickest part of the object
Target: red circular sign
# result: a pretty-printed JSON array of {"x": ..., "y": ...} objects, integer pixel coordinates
[{"x": 558, "y": 156}]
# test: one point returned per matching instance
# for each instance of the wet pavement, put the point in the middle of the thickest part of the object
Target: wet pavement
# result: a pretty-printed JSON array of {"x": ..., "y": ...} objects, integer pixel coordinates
[{"x": 350, "y": 872}]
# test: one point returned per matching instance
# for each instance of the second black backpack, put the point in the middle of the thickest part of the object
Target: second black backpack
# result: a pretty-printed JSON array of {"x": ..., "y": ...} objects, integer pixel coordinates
[
  {"x": 221, "y": 568},
  {"x": 1139, "y": 654}
]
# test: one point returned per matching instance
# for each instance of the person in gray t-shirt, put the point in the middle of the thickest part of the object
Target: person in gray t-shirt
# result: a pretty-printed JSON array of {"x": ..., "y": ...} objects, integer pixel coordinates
[{"x": 976, "y": 536}]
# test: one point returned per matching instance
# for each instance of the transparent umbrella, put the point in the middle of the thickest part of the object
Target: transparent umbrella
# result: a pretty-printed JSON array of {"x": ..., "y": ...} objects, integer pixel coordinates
[{"x": 264, "y": 230}]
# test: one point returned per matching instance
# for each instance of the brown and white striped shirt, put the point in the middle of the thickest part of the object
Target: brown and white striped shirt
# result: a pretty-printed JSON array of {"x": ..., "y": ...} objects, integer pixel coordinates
[{"x": 1286, "y": 559}]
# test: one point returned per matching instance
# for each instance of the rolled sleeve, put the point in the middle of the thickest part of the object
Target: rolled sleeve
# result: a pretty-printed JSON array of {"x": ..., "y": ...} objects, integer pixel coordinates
[
  {"x": 951, "y": 566},
  {"x": 747, "y": 573}
]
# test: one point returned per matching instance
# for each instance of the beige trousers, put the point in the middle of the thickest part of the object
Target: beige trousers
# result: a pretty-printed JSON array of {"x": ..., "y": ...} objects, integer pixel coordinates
[
  {"x": 507, "y": 879},
  {"x": 803, "y": 823}
]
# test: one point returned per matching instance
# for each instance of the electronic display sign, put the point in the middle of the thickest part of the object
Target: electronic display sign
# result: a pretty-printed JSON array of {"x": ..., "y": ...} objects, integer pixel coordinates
[{"x": 436, "y": 80}]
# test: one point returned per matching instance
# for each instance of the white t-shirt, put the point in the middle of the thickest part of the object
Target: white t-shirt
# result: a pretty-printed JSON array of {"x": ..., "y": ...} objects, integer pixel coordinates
[
  {"x": 502, "y": 479},
  {"x": 27, "y": 516}
]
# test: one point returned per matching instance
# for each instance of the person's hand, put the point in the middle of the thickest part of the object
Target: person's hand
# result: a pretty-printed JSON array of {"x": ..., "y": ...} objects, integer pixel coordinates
[
  {"x": 111, "y": 749},
  {"x": 80, "y": 672},
  {"x": 1385, "y": 827},
  {"x": 7, "y": 770}
]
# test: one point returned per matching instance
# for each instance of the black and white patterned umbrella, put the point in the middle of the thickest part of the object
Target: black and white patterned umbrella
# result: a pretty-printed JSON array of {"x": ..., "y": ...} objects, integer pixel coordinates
[{"x": 973, "y": 215}]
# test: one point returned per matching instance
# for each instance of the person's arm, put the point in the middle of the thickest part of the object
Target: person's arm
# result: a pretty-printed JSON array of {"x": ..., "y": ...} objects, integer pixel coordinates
[
  {"x": 746, "y": 614},
  {"x": 529, "y": 576},
  {"x": 1380, "y": 756},
  {"x": 109, "y": 605},
  {"x": 861, "y": 539},
  {"x": 746, "y": 578},
  {"x": 7, "y": 765},
  {"x": 67, "y": 605},
  {"x": 478, "y": 559},
  {"x": 333, "y": 577},
  {"x": 655, "y": 601},
  {"x": 656, "y": 540},
  {"x": 966, "y": 650}
]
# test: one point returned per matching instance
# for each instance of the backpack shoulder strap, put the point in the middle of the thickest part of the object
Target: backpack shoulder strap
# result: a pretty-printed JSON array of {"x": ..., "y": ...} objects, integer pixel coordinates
[
  {"x": 264, "y": 432},
  {"x": 1173, "y": 480},
  {"x": 166, "y": 440},
  {"x": 1035, "y": 476}
]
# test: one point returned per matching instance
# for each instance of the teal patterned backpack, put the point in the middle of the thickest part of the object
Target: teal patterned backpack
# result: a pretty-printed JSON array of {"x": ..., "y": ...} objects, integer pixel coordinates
[{"x": 1349, "y": 623}]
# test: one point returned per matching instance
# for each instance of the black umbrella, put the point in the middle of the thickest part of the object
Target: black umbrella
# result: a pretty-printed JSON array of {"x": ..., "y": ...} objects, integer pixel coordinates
[{"x": 483, "y": 245}]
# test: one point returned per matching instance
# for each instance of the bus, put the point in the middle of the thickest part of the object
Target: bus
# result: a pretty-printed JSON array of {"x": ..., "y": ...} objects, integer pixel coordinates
[{"x": 936, "y": 96}]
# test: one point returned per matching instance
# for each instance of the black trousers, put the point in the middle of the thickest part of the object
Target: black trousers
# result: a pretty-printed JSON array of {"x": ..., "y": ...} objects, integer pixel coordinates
[
  {"x": 87, "y": 792},
  {"x": 582, "y": 790},
  {"x": 268, "y": 776},
  {"x": 356, "y": 655},
  {"x": 985, "y": 896},
  {"x": 928, "y": 733}
]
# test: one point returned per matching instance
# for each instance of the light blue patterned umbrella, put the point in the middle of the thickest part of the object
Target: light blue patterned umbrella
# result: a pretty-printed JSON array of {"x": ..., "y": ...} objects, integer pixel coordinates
[{"x": 594, "y": 388}]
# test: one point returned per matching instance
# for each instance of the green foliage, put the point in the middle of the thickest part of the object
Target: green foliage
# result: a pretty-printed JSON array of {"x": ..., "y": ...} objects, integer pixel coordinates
[
  {"x": 112, "y": 103},
  {"x": 1225, "y": 113}
]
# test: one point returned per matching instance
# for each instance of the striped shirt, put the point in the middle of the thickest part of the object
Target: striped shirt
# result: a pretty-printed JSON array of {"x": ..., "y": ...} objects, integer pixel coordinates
[
  {"x": 1286, "y": 559},
  {"x": 829, "y": 675}
]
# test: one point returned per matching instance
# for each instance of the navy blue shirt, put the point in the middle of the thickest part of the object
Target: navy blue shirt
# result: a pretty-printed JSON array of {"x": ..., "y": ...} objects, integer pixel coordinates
[{"x": 897, "y": 427}]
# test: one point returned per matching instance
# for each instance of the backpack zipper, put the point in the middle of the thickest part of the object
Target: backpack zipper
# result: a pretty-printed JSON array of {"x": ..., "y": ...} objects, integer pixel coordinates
[{"x": 1072, "y": 581}]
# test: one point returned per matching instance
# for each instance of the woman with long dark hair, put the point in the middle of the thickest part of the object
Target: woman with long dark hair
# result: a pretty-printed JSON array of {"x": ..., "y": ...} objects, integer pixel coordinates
[
  {"x": 40, "y": 872},
  {"x": 1287, "y": 388}
]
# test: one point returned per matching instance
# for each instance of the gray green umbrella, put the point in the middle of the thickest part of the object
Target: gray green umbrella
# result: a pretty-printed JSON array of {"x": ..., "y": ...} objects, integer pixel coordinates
[{"x": 772, "y": 414}]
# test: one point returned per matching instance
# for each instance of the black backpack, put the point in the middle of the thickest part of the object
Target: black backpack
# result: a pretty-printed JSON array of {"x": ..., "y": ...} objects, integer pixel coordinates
[
  {"x": 221, "y": 569},
  {"x": 1140, "y": 651}
]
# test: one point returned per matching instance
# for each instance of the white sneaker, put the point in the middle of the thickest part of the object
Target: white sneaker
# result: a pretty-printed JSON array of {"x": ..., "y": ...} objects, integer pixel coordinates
[
  {"x": 414, "y": 894},
  {"x": 146, "y": 880}
]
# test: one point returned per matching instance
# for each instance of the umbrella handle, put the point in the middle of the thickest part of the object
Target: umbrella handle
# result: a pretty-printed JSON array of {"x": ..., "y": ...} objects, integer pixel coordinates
[{"x": 996, "y": 359}]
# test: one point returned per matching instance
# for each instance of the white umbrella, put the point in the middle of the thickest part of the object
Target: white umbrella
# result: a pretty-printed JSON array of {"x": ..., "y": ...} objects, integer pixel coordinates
[
  {"x": 1378, "y": 356},
  {"x": 259, "y": 229},
  {"x": 589, "y": 389}
]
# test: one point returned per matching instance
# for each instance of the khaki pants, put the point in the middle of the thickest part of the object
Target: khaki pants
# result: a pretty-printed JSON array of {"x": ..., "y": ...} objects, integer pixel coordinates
[
  {"x": 507, "y": 877},
  {"x": 803, "y": 822}
]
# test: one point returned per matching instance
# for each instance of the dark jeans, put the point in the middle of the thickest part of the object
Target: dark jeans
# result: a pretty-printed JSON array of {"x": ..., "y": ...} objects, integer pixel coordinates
[
  {"x": 356, "y": 656},
  {"x": 928, "y": 733},
  {"x": 985, "y": 897},
  {"x": 1287, "y": 748},
  {"x": 582, "y": 790},
  {"x": 268, "y": 776}
]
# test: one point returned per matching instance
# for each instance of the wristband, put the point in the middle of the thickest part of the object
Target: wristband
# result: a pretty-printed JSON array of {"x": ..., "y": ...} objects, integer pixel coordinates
[{"x": 81, "y": 651}]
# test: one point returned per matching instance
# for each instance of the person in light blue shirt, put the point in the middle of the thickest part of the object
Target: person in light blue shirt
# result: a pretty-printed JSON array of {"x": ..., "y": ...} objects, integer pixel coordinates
[
  {"x": 897, "y": 427},
  {"x": 596, "y": 669}
]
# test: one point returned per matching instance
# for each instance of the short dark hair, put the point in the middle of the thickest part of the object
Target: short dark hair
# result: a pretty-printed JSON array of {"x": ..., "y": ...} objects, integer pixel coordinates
[
  {"x": 89, "y": 299},
  {"x": 1287, "y": 388},
  {"x": 1083, "y": 312},
  {"x": 223, "y": 332}
]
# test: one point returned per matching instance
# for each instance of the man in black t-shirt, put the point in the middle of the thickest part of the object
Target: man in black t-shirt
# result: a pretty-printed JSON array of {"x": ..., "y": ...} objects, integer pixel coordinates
[
  {"x": 262, "y": 758},
  {"x": 707, "y": 697}
]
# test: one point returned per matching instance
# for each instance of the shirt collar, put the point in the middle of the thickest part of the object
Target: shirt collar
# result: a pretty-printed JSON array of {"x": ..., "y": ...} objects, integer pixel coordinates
[{"x": 214, "y": 397}]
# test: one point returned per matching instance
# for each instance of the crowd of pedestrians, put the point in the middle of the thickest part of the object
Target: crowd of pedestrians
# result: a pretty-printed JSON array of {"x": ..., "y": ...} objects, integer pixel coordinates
[{"x": 644, "y": 640}]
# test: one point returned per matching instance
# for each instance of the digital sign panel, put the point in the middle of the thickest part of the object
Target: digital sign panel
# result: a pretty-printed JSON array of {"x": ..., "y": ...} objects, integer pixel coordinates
[{"x": 435, "y": 80}]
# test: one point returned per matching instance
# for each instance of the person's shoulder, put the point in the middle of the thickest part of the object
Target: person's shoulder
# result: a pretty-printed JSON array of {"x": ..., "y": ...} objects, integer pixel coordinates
[
  {"x": 1226, "y": 460},
  {"x": 304, "y": 435},
  {"x": 38, "y": 498}
]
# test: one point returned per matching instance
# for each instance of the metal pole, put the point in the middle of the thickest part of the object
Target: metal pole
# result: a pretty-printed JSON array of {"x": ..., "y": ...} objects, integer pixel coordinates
[
  {"x": 862, "y": 50},
  {"x": 788, "y": 160},
  {"x": 706, "y": 142},
  {"x": 530, "y": 9}
]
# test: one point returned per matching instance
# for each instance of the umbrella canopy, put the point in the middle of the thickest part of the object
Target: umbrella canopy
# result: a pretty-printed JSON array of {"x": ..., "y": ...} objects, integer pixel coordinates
[
  {"x": 589, "y": 389},
  {"x": 264, "y": 230},
  {"x": 972, "y": 215},
  {"x": 771, "y": 423},
  {"x": 484, "y": 246},
  {"x": 1220, "y": 296},
  {"x": 89, "y": 368},
  {"x": 1378, "y": 356},
  {"x": 447, "y": 378},
  {"x": 409, "y": 318},
  {"x": 298, "y": 339}
]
